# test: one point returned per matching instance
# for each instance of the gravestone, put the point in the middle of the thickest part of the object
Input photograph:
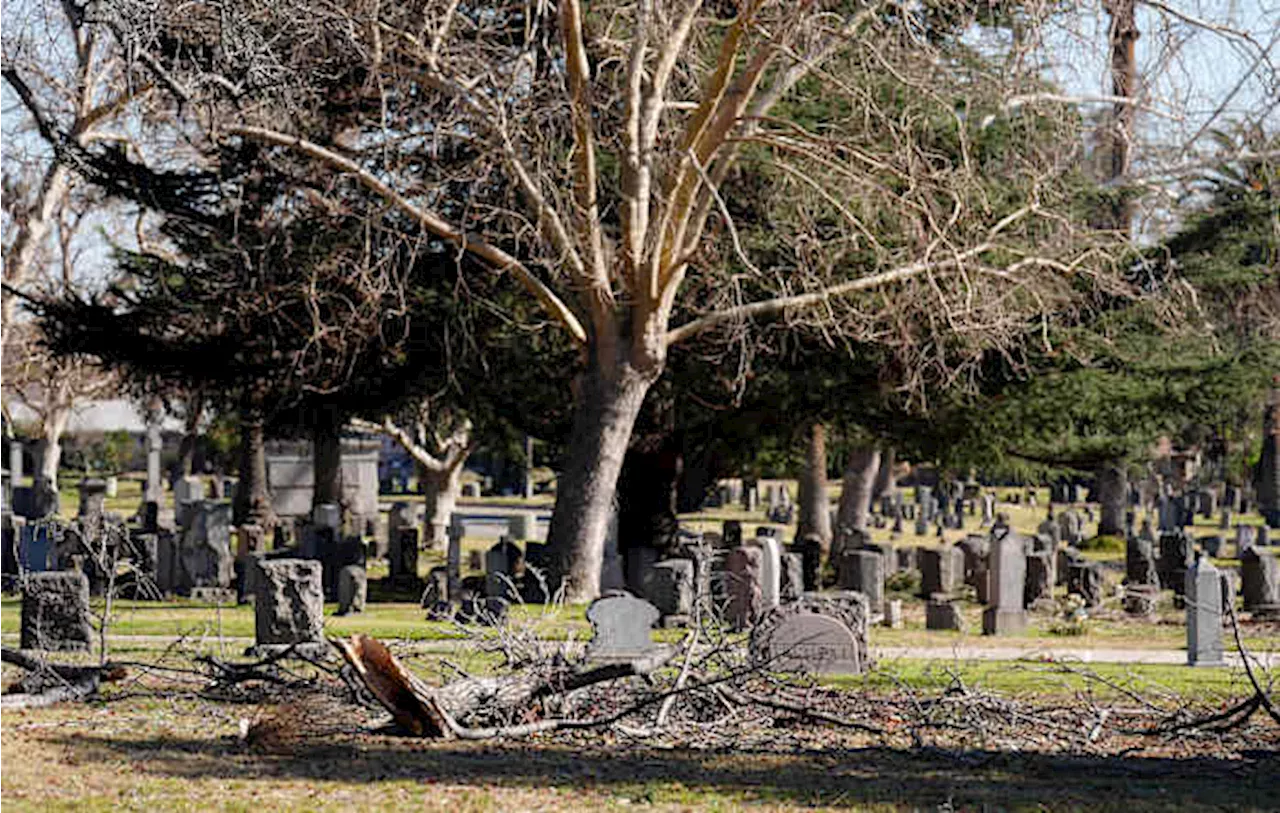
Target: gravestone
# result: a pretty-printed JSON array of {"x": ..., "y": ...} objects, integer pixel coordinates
[
  {"x": 1177, "y": 552},
  {"x": 205, "y": 558},
  {"x": 188, "y": 489},
  {"x": 522, "y": 526},
  {"x": 940, "y": 613},
  {"x": 1211, "y": 545},
  {"x": 863, "y": 571},
  {"x": 922, "y": 525},
  {"x": 907, "y": 558},
  {"x": 893, "y": 614},
  {"x": 731, "y": 533},
  {"x": 742, "y": 573},
  {"x": 792, "y": 577},
  {"x": 1050, "y": 530},
  {"x": 1140, "y": 599},
  {"x": 503, "y": 566},
  {"x": 1085, "y": 580},
  {"x": 888, "y": 557},
  {"x": 810, "y": 550},
  {"x": 1204, "y": 614},
  {"x": 941, "y": 571},
  {"x": 288, "y": 605},
  {"x": 1244, "y": 538},
  {"x": 847, "y": 608},
  {"x": 669, "y": 586},
  {"x": 811, "y": 643},
  {"x": 55, "y": 612},
  {"x": 353, "y": 589},
  {"x": 403, "y": 558},
  {"x": 37, "y": 547},
  {"x": 974, "y": 549},
  {"x": 621, "y": 625},
  {"x": 1038, "y": 589},
  {"x": 1140, "y": 563},
  {"x": 1007, "y": 579},
  {"x": 1260, "y": 583},
  {"x": 770, "y": 571},
  {"x": 93, "y": 499}
]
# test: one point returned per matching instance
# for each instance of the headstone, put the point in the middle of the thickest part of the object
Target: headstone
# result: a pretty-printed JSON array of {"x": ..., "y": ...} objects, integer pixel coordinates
[
  {"x": 503, "y": 565},
  {"x": 974, "y": 549},
  {"x": 1007, "y": 580},
  {"x": 1260, "y": 583},
  {"x": 770, "y": 571},
  {"x": 93, "y": 496},
  {"x": 205, "y": 558},
  {"x": 188, "y": 489},
  {"x": 922, "y": 525},
  {"x": 621, "y": 624},
  {"x": 522, "y": 526},
  {"x": 55, "y": 612},
  {"x": 1204, "y": 614},
  {"x": 810, "y": 550},
  {"x": 1140, "y": 563},
  {"x": 403, "y": 557},
  {"x": 288, "y": 603},
  {"x": 36, "y": 547},
  {"x": 1244, "y": 539},
  {"x": 1038, "y": 590},
  {"x": 743, "y": 574},
  {"x": 863, "y": 571},
  {"x": 1211, "y": 545},
  {"x": 731, "y": 532},
  {"x": 1140, "y": 599},
  {"x": 812, "y": 643},
  {"x": 471, "y": 490},
  {"x": 893, "y": 614},
  {"x": 1176, "y": 555},
  {"x": 792, "y": 577},
  {"x": 353, "y": 588},
  {"x": 327, "y": 515},
  {"x": 490, "y": 611},
  {"x": 669, "y": 586},
  {"x": 941, "y": 571},
  {"x": 1085, "y": 580},
  {"x": 942, "y": 614}
]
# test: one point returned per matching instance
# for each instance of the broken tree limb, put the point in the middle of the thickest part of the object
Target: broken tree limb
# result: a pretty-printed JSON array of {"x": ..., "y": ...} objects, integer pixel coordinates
[
  {"x": 429, "y": 711},
  {"x": 48, "y": 683}
]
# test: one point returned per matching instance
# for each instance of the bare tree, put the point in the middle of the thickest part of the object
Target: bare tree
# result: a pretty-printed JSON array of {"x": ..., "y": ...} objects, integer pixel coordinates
[
  {"x": 440, "y": 458},
  {"x": 604, "y": 148}
]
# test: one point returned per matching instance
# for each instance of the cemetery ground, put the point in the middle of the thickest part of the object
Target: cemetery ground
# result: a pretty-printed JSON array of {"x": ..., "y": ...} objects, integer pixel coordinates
[{"x": 1046, "y": 730}]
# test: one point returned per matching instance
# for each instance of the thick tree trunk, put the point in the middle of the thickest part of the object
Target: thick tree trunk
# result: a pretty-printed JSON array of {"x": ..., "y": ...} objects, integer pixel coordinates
[
  {"x": 815, "y": 510},
  {"x": 606, "y": 412},
  {"x": 52, "y": 428},
  {"x": 855, "y": 497},
  {"x": 1268, "y": 479},
  {"x": 440, "y": 489},
  {"x": 326, "y": 448},
  {"x": 1113, "y": 497},
  {"x": 252, "y": 502}
]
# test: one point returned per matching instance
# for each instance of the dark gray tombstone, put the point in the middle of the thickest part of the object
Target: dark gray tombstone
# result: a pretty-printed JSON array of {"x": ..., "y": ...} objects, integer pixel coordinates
[
  {"x": 1204, "y": 614},
  {"x": 503, "y": 566},
  {"x": 863, "y": 571},
  {"x": 288, "y": 604},
  {"x": 403, "y": 558},
  {"x": 353, "y": 589},
  {"x": 1245, "y": 537},
  {"x": 37, "y": 546},
  {"x": 1085, "y": 580},
  {"x": 1211, "y": 545},
  {"x": 205, "y": 558},
  {"x": 55, "y": 612},
  {"x": 743, "y": 575},
  {"x": 669, "y": 586},
  {"x": 810, "y": 549},
  {"x": 1140, "y": 563},
  {"x": 93, "y": 499},
  {"x": 941, "y": 571},
  {"x": 1177, "y": 552},
  {"x": 1038, "y": 589},
  {"x": 1260, "y": 583},
  {"x": 940, "y": 613},
  {"x": 974, "y": 549},
  {"x": 792, "y": 577},
  {"x": 888, "y": 556},
  {"x": 731, "y": 533}
]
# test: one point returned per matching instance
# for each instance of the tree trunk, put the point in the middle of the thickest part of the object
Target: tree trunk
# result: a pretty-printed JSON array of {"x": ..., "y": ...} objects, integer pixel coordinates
[
  {"x": 607, "y": 410},
  {"x": 855, "y": 497},
  {"x": 815, "y": 510},
  {"x": 440, "y": 489},
  {"x": 252, "y": 503},
  {"x": 1268, "y": 479},
  {"x": 54, "y": 424},
  {"x": 885, "y": 481},
  {"x": 326, "y": 448},
  {"x": 1113, "y": 497}
]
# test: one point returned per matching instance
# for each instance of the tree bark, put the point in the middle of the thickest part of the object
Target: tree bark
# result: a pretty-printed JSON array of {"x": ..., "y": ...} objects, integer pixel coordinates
[
  {"x": 326, "y": 450},
  {"x": 610, "y": 401},
  {"x": 52, "y": 428},
  {"x": 440, "y": 489},
  {"x": 855, "y": 498},
  {"x": 885, "y": 481},
  {"x": 814, "y": 508},
  {"x": 1268, "y": 479},
  {"x": 1113, "y": 497},
  {"x": 252, "y": 503}
]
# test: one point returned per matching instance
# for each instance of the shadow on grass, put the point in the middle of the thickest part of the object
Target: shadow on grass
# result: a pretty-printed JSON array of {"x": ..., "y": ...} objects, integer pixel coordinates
[{"x": 927, "y": 778}]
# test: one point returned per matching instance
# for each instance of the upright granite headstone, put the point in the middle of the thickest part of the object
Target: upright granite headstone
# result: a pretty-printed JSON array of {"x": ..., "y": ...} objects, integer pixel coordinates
[
  {"x": 205, "y": 558},
  {"x": 1085, "y": 580},
  {"x": 1204, "y": 614},
  {"x": 941, "y": 571},
  {"x": 941, "y": 613},
  {"x": 1244, "y": 539},
  {"x": 93, "y": 499},
  {"x": 863, "y": 571},
  {"x": 810, "y": 549},
  {"x": 1260, "y": 583},
  {"x": 55, "y": 612},
  {"x": 770, "y": 571},
  {"x": 1140, "y": 563},
  {"x": 1038, "y": 590},
  {"x": 742, "y": 572},
  {"x": 1177, "y": 552},
  {"x": 793, "y": 586},
  {"x": 288, "y": 604},
  {"x": 669, "y": 586},
  {"x": 37, "y": 547},
  {"x": 731, "y": 533},
  {"x": 809, "y": 642},
  {"x": 1007, "y": 580},
  {"x": 353, "y": 589}
]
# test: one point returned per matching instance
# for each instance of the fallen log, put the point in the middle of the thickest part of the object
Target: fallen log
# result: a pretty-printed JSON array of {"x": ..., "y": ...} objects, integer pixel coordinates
[
  {"x": 433, "y": 711},
  {"x": 48, "y": 683}
]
